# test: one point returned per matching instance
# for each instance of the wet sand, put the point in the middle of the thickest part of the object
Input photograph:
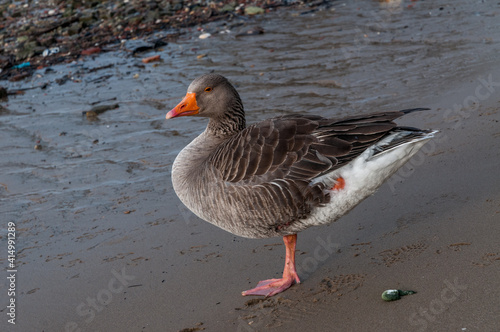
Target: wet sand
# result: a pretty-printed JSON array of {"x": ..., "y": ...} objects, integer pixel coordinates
[{"x": 105, "y": 245}]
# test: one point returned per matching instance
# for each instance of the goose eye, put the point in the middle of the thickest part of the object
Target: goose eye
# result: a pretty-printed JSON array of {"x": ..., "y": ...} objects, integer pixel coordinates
[{"x": 208, "y": 89}]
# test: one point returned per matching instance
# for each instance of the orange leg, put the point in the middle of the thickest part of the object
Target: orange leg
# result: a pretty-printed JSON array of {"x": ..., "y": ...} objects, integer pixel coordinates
[{"x": 272, "y": 287}]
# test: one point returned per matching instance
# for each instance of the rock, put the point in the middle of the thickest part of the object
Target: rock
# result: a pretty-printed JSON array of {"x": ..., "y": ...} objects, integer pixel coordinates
[
  {"x": 91, "y": 115},
  {"x": 3, "y": 93},
  {"x": 51, "y": 51},
  {"x": 395, "y": 294},
  {"x": 26, "y": 50},
  {"x": 103, "y": 108},
  {"x": 151, "y": 59},
  {"x": 96, "y": 110},
  {"x": 74, "y": 28},
  {"x": 227, "y": 8},
  {"x": 253, "y": 10},
  {"x": 205, "y": 35},
  {"x": 252, "y": 32},
  {"x": 19, "y": 77},
  {"x": 92, "y": 50}
]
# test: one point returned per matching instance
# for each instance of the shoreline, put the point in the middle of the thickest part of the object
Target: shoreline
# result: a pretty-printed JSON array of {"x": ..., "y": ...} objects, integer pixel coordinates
[{"x": 36, "y": 37}]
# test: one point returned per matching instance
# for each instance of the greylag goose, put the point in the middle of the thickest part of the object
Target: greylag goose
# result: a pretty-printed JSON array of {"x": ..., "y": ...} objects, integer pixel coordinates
[{"x": 284, "y": 174}]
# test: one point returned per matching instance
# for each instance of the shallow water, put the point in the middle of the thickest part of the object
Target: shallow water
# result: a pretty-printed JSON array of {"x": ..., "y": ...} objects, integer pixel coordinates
[{"x": 95, "y": 182}]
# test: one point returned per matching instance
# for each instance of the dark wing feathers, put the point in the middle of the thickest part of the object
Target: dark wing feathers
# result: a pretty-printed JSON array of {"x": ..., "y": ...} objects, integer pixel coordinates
[
  {"x": 298, "y": 147},
  {"x": 333, "y": 146},
  {"x": 370, "y": 129},
  {"x": 370, "y": 118}
]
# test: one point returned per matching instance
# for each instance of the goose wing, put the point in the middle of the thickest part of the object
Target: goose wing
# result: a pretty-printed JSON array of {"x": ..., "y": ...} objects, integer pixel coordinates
[{"x": 298, "y": 147}]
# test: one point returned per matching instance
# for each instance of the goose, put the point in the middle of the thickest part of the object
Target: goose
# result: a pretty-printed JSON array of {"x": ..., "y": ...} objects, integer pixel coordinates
[{"x": 282, "y": 175}]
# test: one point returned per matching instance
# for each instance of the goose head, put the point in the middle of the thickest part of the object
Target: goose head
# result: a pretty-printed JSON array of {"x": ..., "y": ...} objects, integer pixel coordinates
[
  {"x": 213, "y": 97},
  {"x": 209, "y": 95}
]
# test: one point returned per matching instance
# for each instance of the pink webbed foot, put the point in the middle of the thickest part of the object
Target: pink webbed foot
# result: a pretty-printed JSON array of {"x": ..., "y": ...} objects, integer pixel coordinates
[{"x": 272, "y": 287}]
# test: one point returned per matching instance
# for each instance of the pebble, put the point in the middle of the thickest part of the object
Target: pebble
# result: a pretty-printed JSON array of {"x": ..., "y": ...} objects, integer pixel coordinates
[
  {"x": 205, "y": 35},
  {"x": 3, "y": 93},
  {"x": 92, "y": 50},
  {"x": 395, "y": 294},
  {"x": 252, "y": 32},
  {"x": 91, "y": 115},
  {"x": 50, "y": 51},
  {"x": 151, "y": 59},
  {"x": 253, "y": 10},
  {"x": 96, "y": 110}
]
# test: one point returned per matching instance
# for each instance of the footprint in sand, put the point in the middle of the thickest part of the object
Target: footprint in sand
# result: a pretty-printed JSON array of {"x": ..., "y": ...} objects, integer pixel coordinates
[{"x": 398, "y": 255}]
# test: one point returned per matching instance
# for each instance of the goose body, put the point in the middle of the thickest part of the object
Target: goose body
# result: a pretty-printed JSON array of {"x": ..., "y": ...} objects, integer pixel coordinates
[{"x": 285, "y": 174}]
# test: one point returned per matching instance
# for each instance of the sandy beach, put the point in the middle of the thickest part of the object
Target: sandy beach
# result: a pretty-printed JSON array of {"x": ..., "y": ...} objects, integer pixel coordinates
[{"x": 103, "y": 243}]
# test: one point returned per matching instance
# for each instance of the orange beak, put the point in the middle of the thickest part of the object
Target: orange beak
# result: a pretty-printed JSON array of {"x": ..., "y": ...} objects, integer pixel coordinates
[{"x": 186, "y": 107}]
